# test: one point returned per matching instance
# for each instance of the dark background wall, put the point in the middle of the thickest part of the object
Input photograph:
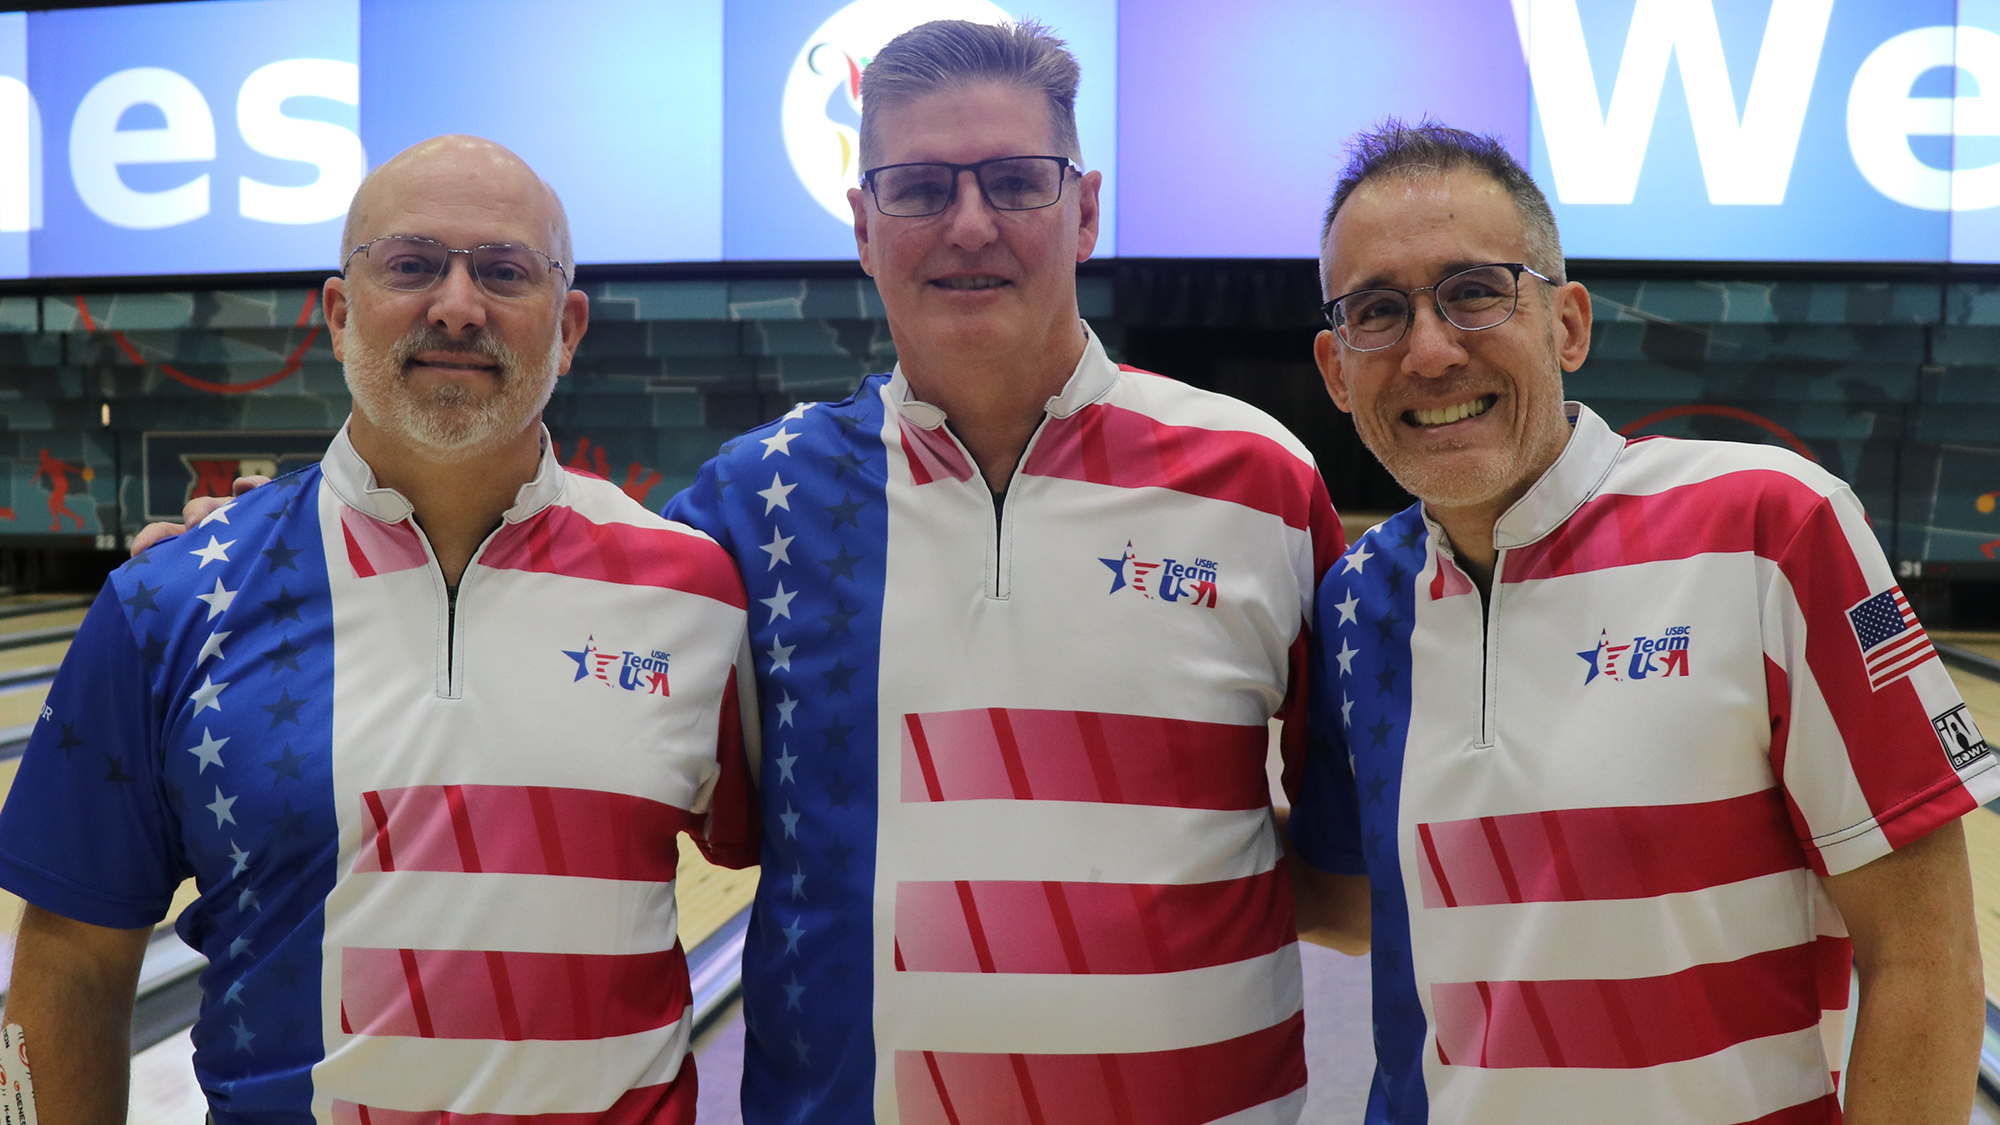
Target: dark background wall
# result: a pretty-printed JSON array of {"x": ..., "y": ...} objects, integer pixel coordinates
[{"x": 116, "y": 405}]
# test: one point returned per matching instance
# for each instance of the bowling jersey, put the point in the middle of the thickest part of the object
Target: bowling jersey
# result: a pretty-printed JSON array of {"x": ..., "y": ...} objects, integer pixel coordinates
[
  {"x": 1018, "y": 858},
  {"x": 434, "y": 836},
  {"x": 1595, "y": 815}
]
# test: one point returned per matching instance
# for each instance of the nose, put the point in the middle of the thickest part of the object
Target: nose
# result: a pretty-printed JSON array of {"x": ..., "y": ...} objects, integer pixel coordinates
[
  {"x": 458, "y": 304},
  {"x": 1432, "y": 345},
  {"x": 970, "y": 221}
]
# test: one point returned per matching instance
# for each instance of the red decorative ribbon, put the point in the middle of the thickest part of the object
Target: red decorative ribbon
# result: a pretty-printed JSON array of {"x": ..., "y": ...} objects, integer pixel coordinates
[
  {"x": 1736, "y": 412},
  {"x": 292, "y": 362}
]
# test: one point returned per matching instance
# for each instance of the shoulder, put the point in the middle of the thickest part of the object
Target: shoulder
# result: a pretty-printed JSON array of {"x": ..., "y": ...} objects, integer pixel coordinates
[
  {"x": 807, "y": 426},
  {"x": 1778, "y": 487},
  {"x": 1205, "y": 415}
]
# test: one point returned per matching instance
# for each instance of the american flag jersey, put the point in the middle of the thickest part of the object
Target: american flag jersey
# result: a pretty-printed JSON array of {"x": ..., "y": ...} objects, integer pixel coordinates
[
  {"x": 1594, "y": 827},
  {"x": 1018, "y": 862},
  {"x": 435, "y": 847}
]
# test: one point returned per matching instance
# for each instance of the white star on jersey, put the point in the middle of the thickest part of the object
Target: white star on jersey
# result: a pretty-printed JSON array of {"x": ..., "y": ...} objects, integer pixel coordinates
[
  {"x": 210, "y": 750},
  {"x": 1356, "y": 559},
  {"x": 780, "y": 442},
  {"x": 780, "y": 603},
  {"x": 208, "y": 695},
  {"x": 220, "y": 515},
  {"x": 1346, "y": 657},
  {"x": 785, "y": 708},
  {"x": 781, "y": 654},
  {"x": 214, "y": 552},
  {"x": 220, "y": 807},
  {"x": 777, "y": 496},
  {"x": 798, "y": 411},
  {"x": 1346, "y": 608},
  {"x": 779, "y": 548},
  {"x": 218, "y": 599},
  {"x": 212, "y": 647}
]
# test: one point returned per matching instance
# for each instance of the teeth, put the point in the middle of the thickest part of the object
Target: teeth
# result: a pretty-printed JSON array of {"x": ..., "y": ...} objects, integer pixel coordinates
[
  {"x": 1447, "y": 415},
  {"x": 971, "y": 282}
]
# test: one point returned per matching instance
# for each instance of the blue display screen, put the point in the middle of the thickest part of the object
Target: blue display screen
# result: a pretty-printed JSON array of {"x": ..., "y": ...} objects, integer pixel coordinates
[{"x": 225, "y": 136}]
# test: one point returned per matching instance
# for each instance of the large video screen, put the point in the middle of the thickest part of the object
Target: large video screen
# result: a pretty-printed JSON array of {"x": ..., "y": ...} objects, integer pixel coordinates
[{"x": 226, "y": 136}]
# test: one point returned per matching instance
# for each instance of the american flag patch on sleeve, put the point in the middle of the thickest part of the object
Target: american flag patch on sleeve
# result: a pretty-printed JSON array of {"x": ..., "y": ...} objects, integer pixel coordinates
[{"x": 1892, "y": 642}]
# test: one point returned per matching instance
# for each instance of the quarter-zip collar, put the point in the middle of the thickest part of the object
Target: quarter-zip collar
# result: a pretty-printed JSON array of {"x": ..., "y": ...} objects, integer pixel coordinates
[
  {"x": 1092, "y": 380},
  {"x": 1576, "y": 476},
  {"x": 354, "y": 482}
]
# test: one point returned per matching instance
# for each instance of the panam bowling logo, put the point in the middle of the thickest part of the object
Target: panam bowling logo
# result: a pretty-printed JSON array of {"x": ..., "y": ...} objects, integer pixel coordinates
[
  {"x": 625, "y": 668},
  {"x": 821, "y": 109}
]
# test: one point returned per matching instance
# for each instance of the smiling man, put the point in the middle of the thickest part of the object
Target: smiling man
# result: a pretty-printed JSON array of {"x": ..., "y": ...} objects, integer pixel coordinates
[
  {"x": 1021, "y": 616},
  {"x": 1637, "y": 742},
  {"x": 457, "y": 701}
]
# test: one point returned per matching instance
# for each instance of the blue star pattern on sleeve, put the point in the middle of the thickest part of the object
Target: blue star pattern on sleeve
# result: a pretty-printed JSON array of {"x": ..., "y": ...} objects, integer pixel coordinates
[
  {"x": 804, "y": 516},
  {"x": 188, "y": 735}
]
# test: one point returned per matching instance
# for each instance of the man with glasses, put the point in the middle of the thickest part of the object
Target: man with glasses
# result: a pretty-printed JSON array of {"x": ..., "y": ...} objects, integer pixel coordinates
[
  {"x": 422, "y": 722},
  {"x": 1020, "y": 618},
  {"x": 1637, "y": 742}
]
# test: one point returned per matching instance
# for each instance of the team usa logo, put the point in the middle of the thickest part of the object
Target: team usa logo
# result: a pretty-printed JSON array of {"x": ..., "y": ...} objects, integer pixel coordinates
[
  {"x": 630, "y": 670},
  {"x": 1168, "y": 580},
  {"x": 1640, "y": 658}
]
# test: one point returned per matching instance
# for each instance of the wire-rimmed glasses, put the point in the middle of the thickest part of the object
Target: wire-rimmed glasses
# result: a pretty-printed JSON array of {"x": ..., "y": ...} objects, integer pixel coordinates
[
  {"x": 411, "y": 263},
  {"x": 1472, "y": 299}
]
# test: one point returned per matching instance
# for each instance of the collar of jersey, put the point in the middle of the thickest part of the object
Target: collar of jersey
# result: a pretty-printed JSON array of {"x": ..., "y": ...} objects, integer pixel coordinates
[
  {"x": 354, "y": 482},
  {"x": 1575, "y": 477},
  {"x": 1090, "y": 381}
]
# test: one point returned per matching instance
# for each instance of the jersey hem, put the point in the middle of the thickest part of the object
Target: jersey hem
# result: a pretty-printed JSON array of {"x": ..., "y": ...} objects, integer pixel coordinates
[
  {"x": 58, "y": 895},
  {"x": 1864, "y": 843}
]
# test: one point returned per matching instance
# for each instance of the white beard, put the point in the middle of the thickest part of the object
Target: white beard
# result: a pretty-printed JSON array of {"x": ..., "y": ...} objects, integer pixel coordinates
[{"x": 448, "y": 423}]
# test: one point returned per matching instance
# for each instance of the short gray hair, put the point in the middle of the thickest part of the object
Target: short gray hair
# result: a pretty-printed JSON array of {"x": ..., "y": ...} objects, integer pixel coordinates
[
  {"x": 947, "y": 54},
  {"x": 1393, "y": 148}
]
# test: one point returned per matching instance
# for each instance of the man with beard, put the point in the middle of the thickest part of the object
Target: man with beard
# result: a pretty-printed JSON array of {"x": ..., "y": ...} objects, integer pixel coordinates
[
  {"x": 1637, "y": 741},
  {"x": 458, "y": 703}
]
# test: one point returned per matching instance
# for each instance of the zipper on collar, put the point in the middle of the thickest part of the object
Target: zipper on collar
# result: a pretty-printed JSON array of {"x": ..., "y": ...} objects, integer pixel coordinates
[{"x": 1489, "y": 655}]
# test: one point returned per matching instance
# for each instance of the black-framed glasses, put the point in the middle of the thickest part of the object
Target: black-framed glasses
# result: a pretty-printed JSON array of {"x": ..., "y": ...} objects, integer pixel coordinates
[
  {"x": 411, "y": 263},
  {"x": 1473, "y": 299},
  {"x": 1009, "y": 183}
]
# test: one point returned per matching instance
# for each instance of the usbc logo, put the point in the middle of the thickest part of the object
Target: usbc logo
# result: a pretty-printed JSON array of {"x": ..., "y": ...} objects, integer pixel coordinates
[
  {"x": 1640, "y": 658},
  {"x": 1168, "y": 580},
  {"x": 624, "y": 668}
]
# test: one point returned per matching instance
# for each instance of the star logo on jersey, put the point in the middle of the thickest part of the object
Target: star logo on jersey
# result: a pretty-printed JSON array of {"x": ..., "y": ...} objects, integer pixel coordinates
[
  {"x": 1168, "y": 580},
  {"x": 1640, "y": 658},
  {"x": 629, "y": 669}
]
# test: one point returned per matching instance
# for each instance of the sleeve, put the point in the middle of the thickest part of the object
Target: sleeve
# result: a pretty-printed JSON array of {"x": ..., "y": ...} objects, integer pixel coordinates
[
  {"x": 1870, "y": 741},
  {"x": 1326, "y": 813},
  {"x": 732, "y": 831},
  {"x": 699, "y": 505},
  {"x": 86, "y": 832},
  {"x": 1326, "y": 540}
]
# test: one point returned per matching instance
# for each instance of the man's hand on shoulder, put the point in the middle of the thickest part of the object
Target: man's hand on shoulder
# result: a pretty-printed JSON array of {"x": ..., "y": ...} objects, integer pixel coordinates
[{"x": 193, "y": 512}]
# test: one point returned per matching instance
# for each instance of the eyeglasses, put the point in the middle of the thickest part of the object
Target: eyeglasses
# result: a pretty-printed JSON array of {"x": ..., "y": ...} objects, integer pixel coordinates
[
  {"x": 1472, "y": 299},
  {"x": 1009, "y": 183},
  {"x": 411, "y": 264}
]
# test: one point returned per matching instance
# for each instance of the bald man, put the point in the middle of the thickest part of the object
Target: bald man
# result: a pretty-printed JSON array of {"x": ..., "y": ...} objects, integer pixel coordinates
[{"x": 421, "y": 721}]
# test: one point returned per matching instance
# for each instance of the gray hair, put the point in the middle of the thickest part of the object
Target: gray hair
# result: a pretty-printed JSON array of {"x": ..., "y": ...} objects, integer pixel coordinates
[
  {"x": 1428, "y": 147},
  {"x": 947, "y": 54}
]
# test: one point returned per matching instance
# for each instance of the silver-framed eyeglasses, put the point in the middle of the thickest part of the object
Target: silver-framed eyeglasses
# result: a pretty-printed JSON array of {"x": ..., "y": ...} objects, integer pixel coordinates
[
  {"x": 1472, "y": 299},
  {"x": 1009, "y": 183},
  {"x": 411, "y": 263}
]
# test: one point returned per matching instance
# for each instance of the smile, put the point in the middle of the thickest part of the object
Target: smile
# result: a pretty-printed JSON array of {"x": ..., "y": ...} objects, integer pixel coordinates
[
  {"x": 984, "y": 281},
  {"x": 1446, "y": 415}
]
